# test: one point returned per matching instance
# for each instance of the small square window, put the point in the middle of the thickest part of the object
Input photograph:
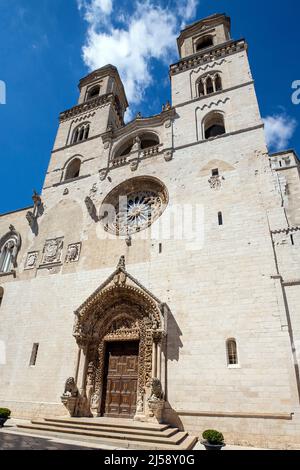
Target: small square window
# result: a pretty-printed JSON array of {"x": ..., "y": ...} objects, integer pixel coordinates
[{"x": 215, "y": 172}]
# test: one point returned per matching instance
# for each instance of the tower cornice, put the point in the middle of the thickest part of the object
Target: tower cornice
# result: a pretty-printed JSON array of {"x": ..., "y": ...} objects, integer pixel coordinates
[
  {"x": 101, "y": 100},
  {"x": 208, "y": 55}
]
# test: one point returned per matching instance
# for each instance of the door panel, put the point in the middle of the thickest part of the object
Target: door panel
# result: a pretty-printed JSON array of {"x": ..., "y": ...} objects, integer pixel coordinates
[{"x": 120, "y": 392}]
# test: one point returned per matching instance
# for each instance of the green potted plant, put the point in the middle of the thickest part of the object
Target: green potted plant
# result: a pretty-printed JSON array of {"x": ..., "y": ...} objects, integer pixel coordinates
[
  {"x": 213, "y": 440},
  {"x": 4, "y": 416}
]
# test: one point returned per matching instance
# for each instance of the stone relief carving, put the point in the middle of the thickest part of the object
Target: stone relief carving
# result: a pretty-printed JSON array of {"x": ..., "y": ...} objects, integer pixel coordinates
[
  {"x": 134, "y": 164},
  {"x": 102, "y": 174},
  {"x": 73, "y": 252},
  {"x": 215, "y": 182},
  {"x": 168, "y": 155},
  {"x": 52, "y": 251},
  {"x": 31, "y": 260}
]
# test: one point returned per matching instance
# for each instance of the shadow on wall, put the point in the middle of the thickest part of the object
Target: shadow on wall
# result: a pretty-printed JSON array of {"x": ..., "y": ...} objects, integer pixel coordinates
[{"x": 173, "y": 346}]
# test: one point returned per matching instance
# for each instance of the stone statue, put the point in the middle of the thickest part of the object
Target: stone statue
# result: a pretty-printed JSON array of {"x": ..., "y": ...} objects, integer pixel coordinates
[
  {"x": 156, "y": 390},
  {"x": 71, "y": 389}
]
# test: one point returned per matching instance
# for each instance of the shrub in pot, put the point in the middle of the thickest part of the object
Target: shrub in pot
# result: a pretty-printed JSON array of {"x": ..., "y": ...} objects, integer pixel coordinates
[
  {"x": 4, "y": 416},
  {"x": 213, "y": 440}
]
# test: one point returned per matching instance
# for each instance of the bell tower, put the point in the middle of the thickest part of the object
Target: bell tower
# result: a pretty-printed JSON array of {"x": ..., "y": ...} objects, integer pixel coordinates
[
  {"x": 203, "y": 34},
  {"x": 102, "y": 103},
  {"x": 101, "y": 107}
]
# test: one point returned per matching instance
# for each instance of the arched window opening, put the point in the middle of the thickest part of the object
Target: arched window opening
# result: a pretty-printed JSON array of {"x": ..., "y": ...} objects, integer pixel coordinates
[
  {"x": 73, "y": 169},
  {"x": 10, "y": 244},
  {"x": 140, "y": 142},
  {"x": 209, "y": 86},
  {"x": 203, "y": 43},
  {"x": 75, "y": 136},
  {"x": 81, "y": 133},
  {"x": 86, "y": 132},
  {"x": 201, "y": 88},
  {"x": 218, "y": 83},
  {"x": 220, "y": 218},
  {"x": 93, "y": 93},
  {"x": 118, "y": 105},
  {"x": 127, "y": 150},
  {"x": 232, "y": 357},
  {"x": 148, "y": 142},
  {"x": 214, "y": 125}
]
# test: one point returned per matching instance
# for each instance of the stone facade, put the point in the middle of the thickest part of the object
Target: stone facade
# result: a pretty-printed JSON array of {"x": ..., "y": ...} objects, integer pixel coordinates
[{"x": 181, "y": 297}]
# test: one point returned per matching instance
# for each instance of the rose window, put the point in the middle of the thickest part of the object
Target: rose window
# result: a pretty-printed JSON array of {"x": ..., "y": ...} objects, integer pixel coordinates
[{"x": 134, "y": 210}]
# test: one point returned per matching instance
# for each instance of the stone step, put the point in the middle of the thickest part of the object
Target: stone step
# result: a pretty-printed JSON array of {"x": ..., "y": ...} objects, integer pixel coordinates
[
  {"x": 164, "y": 431},
  {"x": 158, "y": 439},
  {"x": 186, "y": 443},
  {"x": 110, "y": 422}
]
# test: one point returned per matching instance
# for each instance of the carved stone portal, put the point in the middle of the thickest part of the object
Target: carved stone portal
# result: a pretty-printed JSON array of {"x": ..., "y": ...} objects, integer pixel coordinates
[{"x": 121, "y": 309}]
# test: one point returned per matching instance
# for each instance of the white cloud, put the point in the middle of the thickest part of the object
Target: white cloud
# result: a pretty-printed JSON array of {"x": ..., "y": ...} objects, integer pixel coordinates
[
  {"x": 95, "y": 11},
  {"x": 279, "y": 129},
  {"x": 187, "y": 9},
  {"x": 149, "y": 33}
]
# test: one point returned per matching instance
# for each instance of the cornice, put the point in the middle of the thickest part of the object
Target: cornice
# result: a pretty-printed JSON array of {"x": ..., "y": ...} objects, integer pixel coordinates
[
  {"x": 213, "y": 53},
  {"x": 140, "y": 123},
  {"x": 87, "y": 106}
]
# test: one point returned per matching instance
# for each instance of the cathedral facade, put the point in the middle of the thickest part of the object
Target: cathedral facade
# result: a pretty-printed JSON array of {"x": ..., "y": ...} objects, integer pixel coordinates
[{"x": 156, "y": 276}]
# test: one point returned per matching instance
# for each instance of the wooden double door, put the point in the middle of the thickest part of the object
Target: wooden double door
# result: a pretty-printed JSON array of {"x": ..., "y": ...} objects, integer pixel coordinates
[{"x": 120, "y": 380}]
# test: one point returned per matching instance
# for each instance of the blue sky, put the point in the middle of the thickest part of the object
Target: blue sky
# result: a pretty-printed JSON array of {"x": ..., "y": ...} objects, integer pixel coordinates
[{"x": 46, "y": 46}]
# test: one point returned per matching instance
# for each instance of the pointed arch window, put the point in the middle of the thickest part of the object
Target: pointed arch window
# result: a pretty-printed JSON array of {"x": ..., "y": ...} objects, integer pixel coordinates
[
  {"x": 10, "y": 245},
  {"x": 73, "y": 169},
  {"x": 232, "y": 355}
]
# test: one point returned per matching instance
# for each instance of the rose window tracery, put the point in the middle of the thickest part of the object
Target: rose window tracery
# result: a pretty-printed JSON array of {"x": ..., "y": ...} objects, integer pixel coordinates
[{"x": 134, "y": 210}]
